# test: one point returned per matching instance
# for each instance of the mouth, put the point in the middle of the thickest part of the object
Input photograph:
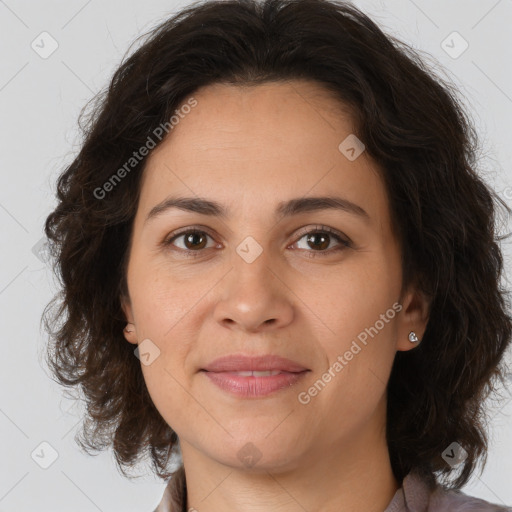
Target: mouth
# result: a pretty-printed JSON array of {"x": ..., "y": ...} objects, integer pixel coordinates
[
  {"x": 254, "y": 377},
  {"x": 247, "y": 384}
]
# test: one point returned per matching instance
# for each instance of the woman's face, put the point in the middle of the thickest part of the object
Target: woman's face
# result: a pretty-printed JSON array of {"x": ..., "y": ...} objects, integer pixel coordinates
[{"x": 252, "y": 282}]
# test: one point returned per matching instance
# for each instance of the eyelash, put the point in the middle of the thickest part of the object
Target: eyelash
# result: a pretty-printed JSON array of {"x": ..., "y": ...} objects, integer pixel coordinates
[{"x": 319, "y": 229}]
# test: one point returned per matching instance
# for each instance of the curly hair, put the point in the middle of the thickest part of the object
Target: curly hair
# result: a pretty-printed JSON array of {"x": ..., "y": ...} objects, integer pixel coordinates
[{"x": 412, "y": 124}]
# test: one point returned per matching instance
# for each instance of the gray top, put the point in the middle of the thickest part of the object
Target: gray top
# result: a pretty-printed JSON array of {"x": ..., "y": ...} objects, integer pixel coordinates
[{"x": 415, "y": 495}]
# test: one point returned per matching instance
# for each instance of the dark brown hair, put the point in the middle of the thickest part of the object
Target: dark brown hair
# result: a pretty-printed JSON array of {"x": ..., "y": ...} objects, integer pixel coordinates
[{"x": 411, "y": 123}]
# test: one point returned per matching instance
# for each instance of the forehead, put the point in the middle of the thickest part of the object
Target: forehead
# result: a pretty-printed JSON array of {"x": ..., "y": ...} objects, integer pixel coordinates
[{"x": 253, "y": 146}]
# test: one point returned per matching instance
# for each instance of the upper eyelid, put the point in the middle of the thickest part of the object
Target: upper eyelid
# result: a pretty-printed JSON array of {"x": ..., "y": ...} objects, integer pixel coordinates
[{"x": 190, "y": 229}]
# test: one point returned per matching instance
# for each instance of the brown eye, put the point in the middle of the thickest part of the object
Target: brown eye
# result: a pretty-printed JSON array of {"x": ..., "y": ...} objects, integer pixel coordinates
[
  {"x": 195, "y": 240},
  {"x": 320, "y": 239},
  {"x": 192, "y": 240}
]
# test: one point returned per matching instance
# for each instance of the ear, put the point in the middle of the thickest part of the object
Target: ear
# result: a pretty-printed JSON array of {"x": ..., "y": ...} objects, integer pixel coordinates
[
  {"x": 413, "y": 316},
  {"x": 130, "y": 331}
]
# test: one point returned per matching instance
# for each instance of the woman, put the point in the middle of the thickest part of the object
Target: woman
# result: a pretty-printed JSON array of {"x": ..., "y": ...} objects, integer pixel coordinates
[{"x": 280, "y": 267}]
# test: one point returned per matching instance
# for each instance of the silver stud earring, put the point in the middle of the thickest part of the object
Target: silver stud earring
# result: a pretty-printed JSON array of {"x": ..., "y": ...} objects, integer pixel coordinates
[{"x": 412, "y": 337}]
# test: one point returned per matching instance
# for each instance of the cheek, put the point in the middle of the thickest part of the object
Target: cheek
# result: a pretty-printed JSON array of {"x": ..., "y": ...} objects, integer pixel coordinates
[
  {"x": 361, "y": 316},
  {"x": 160, "y": 300},
  {"x": 367, "y": 346},
  {"x": 353, "y": 298},
  {"x": 166, "y": 394},
  {"x": 355, "y": 378}
]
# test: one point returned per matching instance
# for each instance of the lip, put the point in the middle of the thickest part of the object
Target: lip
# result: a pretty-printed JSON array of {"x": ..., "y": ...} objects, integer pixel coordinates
[
  {"x": 254, "y": 387},
  {"x": 223, "y": 372},
  {"x": 239, "y": 363}
]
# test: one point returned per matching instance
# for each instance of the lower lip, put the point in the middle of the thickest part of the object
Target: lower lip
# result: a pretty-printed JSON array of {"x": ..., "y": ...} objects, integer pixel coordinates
[{"x": 254, "y": 386}]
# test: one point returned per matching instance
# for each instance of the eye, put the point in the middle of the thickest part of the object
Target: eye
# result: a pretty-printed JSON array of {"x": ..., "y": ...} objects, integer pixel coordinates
[
  {"x": 193, "y": 241},
  {"x": 320, "y": 239}
]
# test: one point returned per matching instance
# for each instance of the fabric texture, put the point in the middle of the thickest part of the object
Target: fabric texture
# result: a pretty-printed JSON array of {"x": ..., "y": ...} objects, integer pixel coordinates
[{"x": 415, "y": 495}]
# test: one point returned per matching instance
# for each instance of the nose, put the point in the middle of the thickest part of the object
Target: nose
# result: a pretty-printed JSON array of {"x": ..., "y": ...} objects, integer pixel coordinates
[{"x": 253, "y": 298}]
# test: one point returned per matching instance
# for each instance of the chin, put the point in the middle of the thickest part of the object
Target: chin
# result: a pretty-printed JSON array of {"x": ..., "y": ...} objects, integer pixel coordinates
[{"x": 259, "y": 455}]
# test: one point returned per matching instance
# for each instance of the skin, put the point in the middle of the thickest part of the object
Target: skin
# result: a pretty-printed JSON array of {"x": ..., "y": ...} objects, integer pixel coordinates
[{"x": 250, "y": 148}]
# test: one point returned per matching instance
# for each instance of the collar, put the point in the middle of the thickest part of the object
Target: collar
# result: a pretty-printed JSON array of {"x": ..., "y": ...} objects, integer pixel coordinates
[{"x": 412, "y": 496}]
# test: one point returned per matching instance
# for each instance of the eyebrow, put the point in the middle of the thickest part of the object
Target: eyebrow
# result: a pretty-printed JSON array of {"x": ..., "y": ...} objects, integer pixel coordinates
[{"x": 284, "y": 208}]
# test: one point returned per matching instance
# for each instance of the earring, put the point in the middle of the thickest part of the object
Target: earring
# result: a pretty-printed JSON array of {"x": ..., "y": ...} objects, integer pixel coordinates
[
  {"x": 412, "y": 337},
  {"x": 126, "y": 328}
]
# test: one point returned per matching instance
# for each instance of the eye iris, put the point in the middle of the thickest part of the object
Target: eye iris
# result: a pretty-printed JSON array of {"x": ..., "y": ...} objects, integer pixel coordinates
[
  {"x": 313, "y": 238},
  {"x": 192, "y": 237}
]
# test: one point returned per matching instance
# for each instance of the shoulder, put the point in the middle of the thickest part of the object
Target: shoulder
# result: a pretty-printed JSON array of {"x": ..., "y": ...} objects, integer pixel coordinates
[
  {"x": 442, "y": 500},
  {"x": 424, "y": 496}
]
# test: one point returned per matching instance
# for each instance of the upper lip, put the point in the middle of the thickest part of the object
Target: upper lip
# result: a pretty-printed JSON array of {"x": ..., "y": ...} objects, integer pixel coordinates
[{"x": 235, "y": 363}]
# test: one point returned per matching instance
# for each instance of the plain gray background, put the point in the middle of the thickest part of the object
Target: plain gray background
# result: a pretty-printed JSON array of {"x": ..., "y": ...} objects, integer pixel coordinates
[{"x": 40, "y": 99}]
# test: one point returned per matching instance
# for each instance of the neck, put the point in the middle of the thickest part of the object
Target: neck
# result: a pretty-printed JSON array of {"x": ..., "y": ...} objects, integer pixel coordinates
[{"x": 352, "y": 475}]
